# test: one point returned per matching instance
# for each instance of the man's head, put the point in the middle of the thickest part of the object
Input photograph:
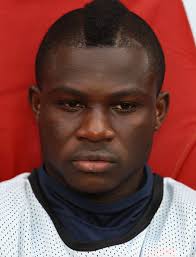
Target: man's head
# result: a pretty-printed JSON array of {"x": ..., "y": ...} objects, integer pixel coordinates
[
  {"x": 99, "y": 72},
  {"x": 102, "y": 24}
]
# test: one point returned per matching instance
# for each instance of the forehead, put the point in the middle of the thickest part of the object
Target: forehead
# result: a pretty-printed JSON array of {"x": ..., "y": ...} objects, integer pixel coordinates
[{"x": 96, "y": 67}]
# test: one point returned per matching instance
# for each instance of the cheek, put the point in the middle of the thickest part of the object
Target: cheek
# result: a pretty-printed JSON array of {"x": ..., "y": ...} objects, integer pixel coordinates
[
  {"x": 56, "y": 129},
  {"x": 136, "y": 133},
  {"x": 139, "y": 122}
]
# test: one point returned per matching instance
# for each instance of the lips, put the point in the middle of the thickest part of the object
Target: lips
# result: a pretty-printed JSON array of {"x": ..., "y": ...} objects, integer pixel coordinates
[
  {"x": 92, "y": 166},
  {"x": 93, "y": 163}
]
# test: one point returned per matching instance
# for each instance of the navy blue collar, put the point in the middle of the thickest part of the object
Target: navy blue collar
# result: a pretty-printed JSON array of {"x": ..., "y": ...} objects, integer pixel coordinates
[{"x": 85, "y": 228}]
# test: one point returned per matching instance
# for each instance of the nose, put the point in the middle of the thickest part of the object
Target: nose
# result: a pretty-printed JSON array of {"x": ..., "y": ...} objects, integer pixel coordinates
[{"x": 95, "y": 126}]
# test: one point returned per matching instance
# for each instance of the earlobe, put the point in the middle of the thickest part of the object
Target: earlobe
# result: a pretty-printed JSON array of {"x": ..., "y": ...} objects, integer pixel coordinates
[
  {"x": 34, "y": 99},
  {"x": 162, "y": 106}
]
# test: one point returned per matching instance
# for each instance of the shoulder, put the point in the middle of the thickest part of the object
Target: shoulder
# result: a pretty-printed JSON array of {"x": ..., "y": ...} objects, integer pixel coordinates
[
  {"x": 179, "y": 194},
  {"x": 172, "y": 229},
  {"x": 177, "y": 212},
  {"x": 14, "y": 213},
  {"x": 13, "y": 194},
  {"x": 179, "y": 202}
]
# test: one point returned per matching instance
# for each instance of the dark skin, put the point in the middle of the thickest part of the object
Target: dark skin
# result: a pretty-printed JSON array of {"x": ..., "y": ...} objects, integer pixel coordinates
[{"x": 97, "y": 112}]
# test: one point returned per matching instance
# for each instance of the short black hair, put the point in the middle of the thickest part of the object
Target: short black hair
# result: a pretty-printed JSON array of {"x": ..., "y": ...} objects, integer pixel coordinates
[{"x": 102, "y": 23}]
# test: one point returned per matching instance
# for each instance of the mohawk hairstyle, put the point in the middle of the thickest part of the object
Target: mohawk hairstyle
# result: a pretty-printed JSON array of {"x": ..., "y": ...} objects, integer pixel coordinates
[
  {"x": 102, "y": 24},
  {"x": 102, "y": 20}
]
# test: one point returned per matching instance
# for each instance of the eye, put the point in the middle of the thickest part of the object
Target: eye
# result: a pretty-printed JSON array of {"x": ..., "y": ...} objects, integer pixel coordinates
[
  {"x": 71, "y": 105},
  {"x": 125, "y": 107}
]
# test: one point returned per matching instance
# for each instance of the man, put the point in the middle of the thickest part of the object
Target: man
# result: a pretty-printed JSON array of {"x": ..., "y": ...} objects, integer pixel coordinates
[{"x": 97, "y": 102}]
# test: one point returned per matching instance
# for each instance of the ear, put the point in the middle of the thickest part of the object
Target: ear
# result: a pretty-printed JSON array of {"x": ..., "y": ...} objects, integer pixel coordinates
[
  {"x": 34, "y": 99},
  {"x": 162, "y": 105}
]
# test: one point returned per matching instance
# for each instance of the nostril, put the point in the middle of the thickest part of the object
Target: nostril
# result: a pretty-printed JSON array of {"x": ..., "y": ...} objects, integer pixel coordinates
[{"x": 94, "y": 135}]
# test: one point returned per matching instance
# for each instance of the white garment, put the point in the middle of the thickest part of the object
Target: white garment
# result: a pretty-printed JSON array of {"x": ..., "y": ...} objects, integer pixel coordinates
[{"x": 26, "y": 229}]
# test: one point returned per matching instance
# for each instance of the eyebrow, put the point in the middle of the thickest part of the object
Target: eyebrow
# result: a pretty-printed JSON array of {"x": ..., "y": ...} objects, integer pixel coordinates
[
  {"x": 129, "y": 92},
  {"x": 117, "y": 94},
  {"x": 67, "y": 90}
]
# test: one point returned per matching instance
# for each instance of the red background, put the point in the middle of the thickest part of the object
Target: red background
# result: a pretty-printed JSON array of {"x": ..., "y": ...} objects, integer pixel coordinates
[{"x": 22, "y": 25}]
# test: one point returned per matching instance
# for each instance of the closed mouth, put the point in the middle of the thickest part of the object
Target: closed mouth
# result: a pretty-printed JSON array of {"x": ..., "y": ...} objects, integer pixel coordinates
[
  {"x": 94, "y": 157},
  {"x": 93, "y": 162},
  {"x": 92, "y": 166}
]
